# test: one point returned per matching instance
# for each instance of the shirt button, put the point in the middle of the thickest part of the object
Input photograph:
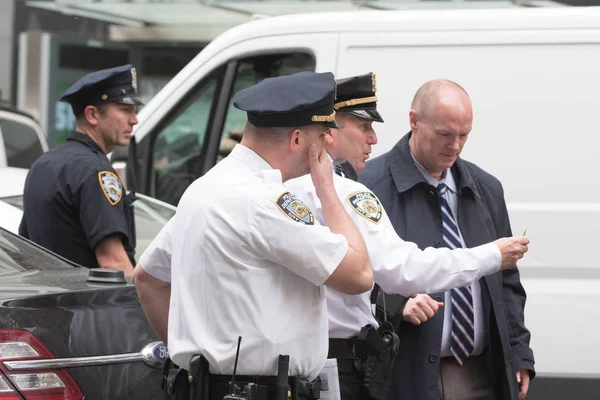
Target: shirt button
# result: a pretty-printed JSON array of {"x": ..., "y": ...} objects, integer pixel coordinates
[
  {"x": 438, "y": 298},
  {"x": 433, "y": 358},
  {"x": 437, "y": 245}
]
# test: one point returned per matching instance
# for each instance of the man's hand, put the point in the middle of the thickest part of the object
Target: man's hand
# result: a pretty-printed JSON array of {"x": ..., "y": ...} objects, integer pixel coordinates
[
  {"x": 321, "y": 171},
  {"x": 512, "y": 250},
  {"x": 419, "y": 308},
  {"x": 523, "y": 380}
]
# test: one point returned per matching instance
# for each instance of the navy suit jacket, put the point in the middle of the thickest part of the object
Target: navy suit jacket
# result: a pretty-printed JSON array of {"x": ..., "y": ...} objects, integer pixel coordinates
[{"x": 414, "y": 209}]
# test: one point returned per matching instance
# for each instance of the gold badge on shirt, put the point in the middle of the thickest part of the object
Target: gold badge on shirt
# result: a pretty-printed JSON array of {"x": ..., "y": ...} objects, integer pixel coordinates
[
  {"x": 367, "y": 205},
  {"x": 111, "y": 186},
  {"x": 295, "y": 209}
]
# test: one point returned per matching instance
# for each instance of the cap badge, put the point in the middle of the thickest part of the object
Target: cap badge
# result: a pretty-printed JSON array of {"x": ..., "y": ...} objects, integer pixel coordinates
[
  {"x": 374, "y": 83},
  {"x": 134, "y": 79}
]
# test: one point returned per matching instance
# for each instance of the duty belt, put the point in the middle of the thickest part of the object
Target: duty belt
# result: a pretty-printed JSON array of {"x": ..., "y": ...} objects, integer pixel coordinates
[
  {"x": 301, "y": 388},
  {"x": 347, "y": 349}
]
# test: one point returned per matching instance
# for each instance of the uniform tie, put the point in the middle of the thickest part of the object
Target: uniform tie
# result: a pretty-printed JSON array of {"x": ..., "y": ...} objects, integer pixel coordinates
[{"x": 463, "y": 330}]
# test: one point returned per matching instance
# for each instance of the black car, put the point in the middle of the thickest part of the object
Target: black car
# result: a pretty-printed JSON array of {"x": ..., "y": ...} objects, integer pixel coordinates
[{"x": 68, "y": 332}]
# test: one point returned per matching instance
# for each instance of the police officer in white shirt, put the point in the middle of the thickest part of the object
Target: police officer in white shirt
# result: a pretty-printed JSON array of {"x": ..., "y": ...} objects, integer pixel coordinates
[
  {"x": 399, "y": 266},
  {"x": 245, "y": 257}
]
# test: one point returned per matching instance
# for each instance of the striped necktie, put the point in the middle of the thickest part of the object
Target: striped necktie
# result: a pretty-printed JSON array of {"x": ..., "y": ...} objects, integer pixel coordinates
[{"x": 463, "y": 330}]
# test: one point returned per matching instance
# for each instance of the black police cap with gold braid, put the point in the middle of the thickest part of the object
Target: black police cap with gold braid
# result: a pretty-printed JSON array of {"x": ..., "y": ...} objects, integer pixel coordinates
[
  {"x": 356, "y": 96},
  {"x": 118, "y": 85},
  {"x": 304, "y": 98}
]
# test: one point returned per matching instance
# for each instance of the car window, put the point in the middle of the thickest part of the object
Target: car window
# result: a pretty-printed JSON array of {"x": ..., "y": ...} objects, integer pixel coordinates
[
  {"x": 249, "y": 72},
  {"x": 161, "y": 209},
  {"x": 150, "y": 217},
  {"x": 22, "y": 144},
  {"x": 17, "y": 254},
  {"x": 179, "y": 150}
]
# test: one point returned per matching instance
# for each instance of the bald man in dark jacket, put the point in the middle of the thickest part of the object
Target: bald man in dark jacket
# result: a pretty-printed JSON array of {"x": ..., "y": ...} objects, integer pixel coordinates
[{"x": 499, "y": 362}]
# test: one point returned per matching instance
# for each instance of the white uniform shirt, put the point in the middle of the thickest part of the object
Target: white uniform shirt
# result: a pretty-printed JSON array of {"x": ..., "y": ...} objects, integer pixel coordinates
[
  {"x": 243, "y": 265},
  {"x": 398, "y": 266}
]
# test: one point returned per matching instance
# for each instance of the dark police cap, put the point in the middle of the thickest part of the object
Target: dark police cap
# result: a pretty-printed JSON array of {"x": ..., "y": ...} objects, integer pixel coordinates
[
  {"x": 356, "y": 96},
  {"x": 301, "y": 99},
  {"x": 118, "y": 85}
]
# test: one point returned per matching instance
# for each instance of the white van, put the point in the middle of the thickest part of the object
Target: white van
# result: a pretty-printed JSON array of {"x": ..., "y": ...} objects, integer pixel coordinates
[{"x": 534, "y": 79}]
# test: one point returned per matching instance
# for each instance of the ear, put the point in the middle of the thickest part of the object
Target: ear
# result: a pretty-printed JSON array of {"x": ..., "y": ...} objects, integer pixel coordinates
[
  {"x": 295, "y": 140},
  {"x": 330, "y": 136},
  {"x": 413, "y": 118},
  {"x": 91, "y": 114}
]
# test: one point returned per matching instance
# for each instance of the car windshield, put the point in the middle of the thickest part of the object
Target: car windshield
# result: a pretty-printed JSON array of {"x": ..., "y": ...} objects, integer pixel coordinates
[
  {"x": 17, "y": 254},
  {"x": 150, "y": 216}
]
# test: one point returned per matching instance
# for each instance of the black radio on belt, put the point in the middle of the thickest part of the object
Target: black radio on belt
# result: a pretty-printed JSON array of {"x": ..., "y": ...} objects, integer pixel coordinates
[{"x": 249, "y": 391}]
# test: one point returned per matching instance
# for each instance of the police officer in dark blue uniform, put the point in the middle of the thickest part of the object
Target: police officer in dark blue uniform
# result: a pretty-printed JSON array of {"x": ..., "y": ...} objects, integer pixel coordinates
[{"x": 74, "y": 201}]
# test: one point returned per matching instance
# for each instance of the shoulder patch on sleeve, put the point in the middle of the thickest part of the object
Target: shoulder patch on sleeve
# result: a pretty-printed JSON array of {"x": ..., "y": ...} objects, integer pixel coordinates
[
  {"x": 111, "y": 186},
  {"x": 295, "y": 209},
  {"x": 367, "y": 205}
]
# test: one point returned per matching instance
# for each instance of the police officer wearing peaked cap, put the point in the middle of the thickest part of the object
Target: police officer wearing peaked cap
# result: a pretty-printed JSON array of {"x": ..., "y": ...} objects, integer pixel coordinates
[
  {"x": 356, "y": 95},
  {"x": 398, "y": 266},
  {"x": 74, "y": 201},
  {"x": 301, "y": 99},
  {"x": 259, "y": 258}
]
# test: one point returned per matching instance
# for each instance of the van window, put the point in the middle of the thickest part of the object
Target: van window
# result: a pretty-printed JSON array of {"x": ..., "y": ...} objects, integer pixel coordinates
[
  {"x": 180, "y": 147},
  {"x": 249, "y": 72},
  {"x": 22, "y": 144}
]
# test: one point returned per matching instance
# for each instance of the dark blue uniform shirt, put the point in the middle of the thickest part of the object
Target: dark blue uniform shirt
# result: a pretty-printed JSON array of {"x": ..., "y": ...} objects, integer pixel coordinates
[{"x": 73, "y": 199}]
